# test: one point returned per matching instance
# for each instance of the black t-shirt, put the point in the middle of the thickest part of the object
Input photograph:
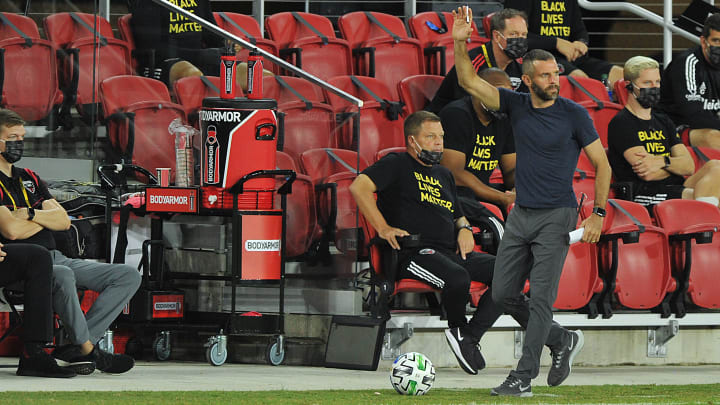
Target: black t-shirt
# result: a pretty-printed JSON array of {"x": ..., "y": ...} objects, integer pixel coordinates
[
  {"x": 482, "y": 58},
  {"x": 548, "y": 142},
  {"x": 419, "y": 199},
  {"x": 657, "y": 135},
  {"x": 170, "y": 34},
  {"x": 13, "y": 191},
  {"x": 482, "y": 145},
  {"x": 550, "y": 19}
]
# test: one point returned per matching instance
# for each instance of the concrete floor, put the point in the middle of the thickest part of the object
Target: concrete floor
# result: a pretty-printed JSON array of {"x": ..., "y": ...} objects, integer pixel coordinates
[{"x": 194, "y": 376}]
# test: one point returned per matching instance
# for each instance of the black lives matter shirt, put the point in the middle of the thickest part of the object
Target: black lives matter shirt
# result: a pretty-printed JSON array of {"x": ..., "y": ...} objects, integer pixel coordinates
[
  {"x": 419, "y": 199},
  {"x": 482, "y": 58},
  {"x": 550, "y": 19},
  {"x": 482, "y": 145},
  {"x": 13, "y": 191},
  {"x": 656, "y": 135}
]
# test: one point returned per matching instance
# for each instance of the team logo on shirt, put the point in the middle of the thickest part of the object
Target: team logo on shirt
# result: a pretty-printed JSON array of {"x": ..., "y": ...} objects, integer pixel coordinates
[
  {"x": 29, "y": 186},
  {"x": 427, "y": 252}
]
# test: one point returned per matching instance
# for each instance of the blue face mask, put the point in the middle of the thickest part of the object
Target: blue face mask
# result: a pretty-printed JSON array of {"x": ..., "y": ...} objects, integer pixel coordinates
[{"x": 13, "y": 151}]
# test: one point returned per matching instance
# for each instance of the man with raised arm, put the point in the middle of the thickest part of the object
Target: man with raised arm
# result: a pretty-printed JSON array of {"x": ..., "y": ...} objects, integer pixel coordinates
[{"x": 549, "y": 133}]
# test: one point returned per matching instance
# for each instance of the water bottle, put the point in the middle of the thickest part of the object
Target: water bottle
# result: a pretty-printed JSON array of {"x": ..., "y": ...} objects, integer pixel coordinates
[
  {"x": 254, "y": 76},
  {"x": 608, "y": 87},
  {"x": 184, "y": 168},
  {"x": 227, "y": 74}
]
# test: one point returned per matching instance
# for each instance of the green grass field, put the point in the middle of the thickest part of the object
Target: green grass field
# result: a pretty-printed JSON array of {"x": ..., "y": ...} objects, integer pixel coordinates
[{"x": 605, "y": 394}]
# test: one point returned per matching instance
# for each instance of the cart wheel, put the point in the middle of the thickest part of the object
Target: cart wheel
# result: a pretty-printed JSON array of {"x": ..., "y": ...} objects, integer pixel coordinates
[
  {"x": 274, "y": 357},
  {"x": 161, "y": 347},
  {"x": 213, "y": 355}
]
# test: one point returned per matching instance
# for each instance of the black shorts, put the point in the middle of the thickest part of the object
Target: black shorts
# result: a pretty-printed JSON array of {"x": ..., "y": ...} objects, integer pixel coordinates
[
  {"x": 206, "y": 60},
  {"x": 593, "y": 67},
  {"x": 649, "y": 195}
]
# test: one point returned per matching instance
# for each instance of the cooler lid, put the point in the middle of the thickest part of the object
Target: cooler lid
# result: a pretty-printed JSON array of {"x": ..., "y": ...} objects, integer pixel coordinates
[{"x": 240, "y": 103}]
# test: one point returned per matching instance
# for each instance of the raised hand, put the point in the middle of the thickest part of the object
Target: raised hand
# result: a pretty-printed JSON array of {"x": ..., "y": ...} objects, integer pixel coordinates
[{"x": 462, "y": 26}]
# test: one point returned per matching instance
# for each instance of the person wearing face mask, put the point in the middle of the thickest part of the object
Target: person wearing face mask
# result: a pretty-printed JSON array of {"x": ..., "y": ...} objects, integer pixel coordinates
[
  {"x": 645, "y": 149},
  {"x": 557, "y": 26},
  {"x": 690, "y": 94},
  {"x": 504, "y": 51},
  {"x": 478, "y": 141},
  {"x": 28, "y": 215}
]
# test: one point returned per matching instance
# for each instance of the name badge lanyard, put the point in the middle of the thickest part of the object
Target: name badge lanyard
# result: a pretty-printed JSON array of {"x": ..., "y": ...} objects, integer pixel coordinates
[{"x": 22, "y": 187}]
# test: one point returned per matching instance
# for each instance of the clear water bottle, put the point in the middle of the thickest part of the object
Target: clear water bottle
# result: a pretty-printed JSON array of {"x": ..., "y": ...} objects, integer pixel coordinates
[
  {"x": 608, "y": 86},
  {"x": 184, "y": 167}
]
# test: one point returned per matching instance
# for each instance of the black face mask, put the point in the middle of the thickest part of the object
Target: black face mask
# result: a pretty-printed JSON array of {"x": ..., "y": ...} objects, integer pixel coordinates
[
  {"x": 516, "y": 47},
  {"x": 714, "y": 55},
  {"x": 13, "y": 151},
  {"x": 428, "y": 157},
  {"x": 648, "y": 97}
]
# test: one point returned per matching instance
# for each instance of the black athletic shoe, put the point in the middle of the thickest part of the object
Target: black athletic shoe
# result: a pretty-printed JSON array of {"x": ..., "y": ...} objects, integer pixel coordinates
[
  {"x": 41, "y": 364},
  {"x": 563, "y": 357},
  {"x": 513, "y": 386},
  {"x": 71, "y": 357},
  {"x": 111, "y": 363},
  {"x": 465, "y": 348}
]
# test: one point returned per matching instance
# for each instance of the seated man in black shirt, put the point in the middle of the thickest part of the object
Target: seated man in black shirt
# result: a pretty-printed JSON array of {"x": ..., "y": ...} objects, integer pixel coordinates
[
  {"x": 477, "y": 141},
  {"x": 507, "y": 46},
  {"x": 182, "y": 48},
  {"x": 644, "y": 148},
  {"x": 416, "y": 195},
  {"x": 32, "y": 265},
  {"x": 557, "y": 26}
]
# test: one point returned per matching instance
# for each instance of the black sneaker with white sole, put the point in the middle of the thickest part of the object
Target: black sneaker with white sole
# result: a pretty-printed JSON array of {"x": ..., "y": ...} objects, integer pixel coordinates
[
  {"x": 562, "y": 358},
  {"x": 513, "y": 386},
  {"x": 465, "y": 348},
  {"x": 71, "y": 356}
]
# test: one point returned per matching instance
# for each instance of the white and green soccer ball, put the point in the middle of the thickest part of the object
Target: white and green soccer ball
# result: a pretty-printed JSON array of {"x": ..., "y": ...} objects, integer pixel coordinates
[{"x": 412, "y": 374}]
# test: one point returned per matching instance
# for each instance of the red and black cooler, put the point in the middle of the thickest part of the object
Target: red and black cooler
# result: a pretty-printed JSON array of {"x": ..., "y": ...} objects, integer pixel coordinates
[{"x": 239, "y": 137}]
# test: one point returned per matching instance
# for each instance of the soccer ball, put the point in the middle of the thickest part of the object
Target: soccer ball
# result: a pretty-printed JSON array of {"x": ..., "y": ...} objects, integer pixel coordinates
[{"x": 412, "y": 374}]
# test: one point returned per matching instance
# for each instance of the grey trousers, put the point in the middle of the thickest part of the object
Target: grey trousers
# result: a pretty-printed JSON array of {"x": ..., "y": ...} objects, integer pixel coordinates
[
  {"x": 115, "y": 283},
  {"x": 535, "y": 244}
]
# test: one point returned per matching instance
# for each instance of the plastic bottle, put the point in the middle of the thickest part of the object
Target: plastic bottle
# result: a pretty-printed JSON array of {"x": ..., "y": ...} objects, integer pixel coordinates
[
  {"x": 608, "y": 87},
  {"x": 184, "y": 168},
  {"x": 254, "y": 76},
  {"x": 227, "y": 74}
]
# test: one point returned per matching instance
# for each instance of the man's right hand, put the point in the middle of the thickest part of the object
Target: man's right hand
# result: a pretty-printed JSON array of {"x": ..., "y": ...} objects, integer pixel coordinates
[
  {"x": 2, "y": 253},
  {"x": 462, "y": 26},
  {"x": 390, "y": 234},
  {"x": 567, "y": 49}
]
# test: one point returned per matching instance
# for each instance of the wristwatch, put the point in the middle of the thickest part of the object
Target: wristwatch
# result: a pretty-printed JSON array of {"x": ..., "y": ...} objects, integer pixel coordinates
[
  {"x": 466, "y": 226},
  {"x": 667, "y": 162},
  {"x": 599, "y": 211},
  {"x": 31, "y": 213}
]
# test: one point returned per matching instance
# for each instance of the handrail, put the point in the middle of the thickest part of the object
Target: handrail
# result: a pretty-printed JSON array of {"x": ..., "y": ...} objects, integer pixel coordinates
[
  {"x": 665, "y": 22},
  {"x": 217, "y": 30}
]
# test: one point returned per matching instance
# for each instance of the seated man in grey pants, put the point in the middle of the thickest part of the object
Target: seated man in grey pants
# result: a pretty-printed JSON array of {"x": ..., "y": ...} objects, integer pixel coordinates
[{"x": 28, "y": 214}]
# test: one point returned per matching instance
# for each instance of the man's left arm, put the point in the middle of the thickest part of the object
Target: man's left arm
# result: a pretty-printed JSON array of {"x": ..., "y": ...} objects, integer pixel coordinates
[
  {"x": 52, "y": 216},
  {"x": 465, "y": 238},
  {"x": 593, "y": 224}
]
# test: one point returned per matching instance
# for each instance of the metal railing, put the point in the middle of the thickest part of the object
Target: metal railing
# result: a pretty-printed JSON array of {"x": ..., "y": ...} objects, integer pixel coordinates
[{"x": 665, "y": 21}]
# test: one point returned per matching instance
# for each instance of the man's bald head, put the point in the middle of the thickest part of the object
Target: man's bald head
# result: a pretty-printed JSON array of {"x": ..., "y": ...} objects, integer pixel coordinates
[{"x": 496, "y": 77}]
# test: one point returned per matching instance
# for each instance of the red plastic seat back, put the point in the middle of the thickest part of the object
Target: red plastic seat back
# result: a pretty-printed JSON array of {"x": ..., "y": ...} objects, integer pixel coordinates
[
  {"x": 302, "y": 226},
  {"x": 273, "y": 89},
  {"x": 620, "y": 92},
  {"x": 230, "y": 23},
  {"x": 580, "y": 278},
  {"x": 30, "y": 84},
  {"x": 190, "y": 92},
  {"x": 384, "y": 152},
  {"x": 594, "y": 87},
  {"x": 284, "y": 29},
  {"x": 601, "y": 117},
  {"x": 428, "y": 36},
  {"x": 417, "y": 91},
  {"x": 125, "y": 31},
  {"x": 62, "y": 30},
  {"x": 319, "y": 164},
  {"x": 345, "y": 83},
  {"x": 702, "y": 155},
  {"x": 687, "y": 216},
  {"x": 151, "y": 145},
  {"x": 356, "y": 28}
]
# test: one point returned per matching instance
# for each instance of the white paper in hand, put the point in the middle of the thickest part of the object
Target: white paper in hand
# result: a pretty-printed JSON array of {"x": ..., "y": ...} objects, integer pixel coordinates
[{"x": 576, "y": 235}]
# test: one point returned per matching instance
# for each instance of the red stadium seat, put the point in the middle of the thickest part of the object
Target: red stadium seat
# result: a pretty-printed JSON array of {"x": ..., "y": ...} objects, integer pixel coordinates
[
  {"x": 702, "y": 155},
  {"x": 580, "y": 279},
  {"x": 377, "y": 128},
  {"x": 634, "y": 259},
  {"x": 28, "y": 70},
  {"x": 247, "y": 28},
  {"x": 302, "y": 226},
  {"x": 574, "y": 91},
  {"x": 138, "y": 111},
  {"x": 383, "y": 268},
  {"x": 308, "y": 41},
  {"x": 434, "y": 31},
  {"x": 381, "y": 47},
  {"x": 694, "y": 231},
  {"x": 190, "y": 92},
  {"x": 83, "y": 69},
  {"x": 620, "y": 92},
  {"x": 601, "y": 115},
  {"x": 332, "y": 171},
  {"x": 382, "y": 153},
  {"x": 306, "y": 123},
  {"x": 417, "y": 91}
]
